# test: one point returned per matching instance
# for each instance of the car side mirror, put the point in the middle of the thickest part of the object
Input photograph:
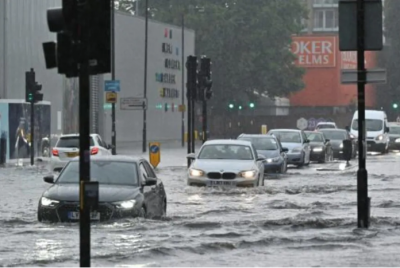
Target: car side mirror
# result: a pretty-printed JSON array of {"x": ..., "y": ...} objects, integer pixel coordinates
[
  {"x": 327, "y": 140},
  {"x": 285, "y": 150},
  {"x": 150, "y": 181},
  {"x": 191, "y": 156},
  {"x": 307, "y": 141},
  {"x": 387, "y": 130},
  {"x": 347, "y": 128},
  {"x": 261, "y": 157},
  {"x": 49, "y": 179}
]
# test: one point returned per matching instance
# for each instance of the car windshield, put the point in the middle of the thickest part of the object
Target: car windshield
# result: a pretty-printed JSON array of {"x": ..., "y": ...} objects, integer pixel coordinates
[
  {"x": 316, "y": 137},
  {"x": 105, "y": 172},
  {"x": 288, "y": 136},
  {"x": 262, "y": 143},
  {"x": 370, "y": 124},
  {"x": 394, "y": 130},
  {"x": 335, "y": 135},
  {"x": 322, "y": 126},
  {"x": 71, "y": 142},
  {"x": 226, "y": 151}
]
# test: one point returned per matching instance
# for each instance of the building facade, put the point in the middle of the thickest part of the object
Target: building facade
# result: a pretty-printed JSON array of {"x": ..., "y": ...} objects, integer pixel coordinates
[{"x": 23, "y": 29}]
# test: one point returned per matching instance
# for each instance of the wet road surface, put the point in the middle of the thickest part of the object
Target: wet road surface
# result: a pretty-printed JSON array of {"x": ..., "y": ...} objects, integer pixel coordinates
[{"x": 304, "y": 218}]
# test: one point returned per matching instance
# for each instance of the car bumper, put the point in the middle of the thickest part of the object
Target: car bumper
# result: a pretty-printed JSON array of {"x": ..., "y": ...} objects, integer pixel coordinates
[
  {"x": 295, "y": 158},
  {"x": 273, "y": 167},
  {"x": 237, "y": 182},
  {"x": 317, "y": 156},
  {"x": 61, "y": 212},
  {"x": 375, "y": 146}
]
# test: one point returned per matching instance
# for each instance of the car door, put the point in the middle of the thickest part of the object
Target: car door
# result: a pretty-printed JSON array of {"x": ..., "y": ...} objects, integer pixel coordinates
[
  {"x": 260, "y": 164},
  {"x": 151, "y": 193}
]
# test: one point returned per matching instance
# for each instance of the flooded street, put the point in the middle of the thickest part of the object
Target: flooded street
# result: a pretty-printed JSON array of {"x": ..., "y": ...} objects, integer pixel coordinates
[{"x": 304, "y": 218}]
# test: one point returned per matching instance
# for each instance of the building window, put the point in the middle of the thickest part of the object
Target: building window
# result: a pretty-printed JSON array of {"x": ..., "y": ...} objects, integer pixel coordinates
[
  {"x": 326, "y": 20},
  {"x": 325, "y": 3}
]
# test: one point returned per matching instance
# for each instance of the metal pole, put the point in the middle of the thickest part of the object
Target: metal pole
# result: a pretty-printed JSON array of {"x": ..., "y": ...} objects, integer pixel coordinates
[
  {"x": 204, "y": 117},
  {"x": 137, "y": 8},
  {"x": 193, "y": 114},
  {"x": 189, "y": 119},
  {"x": 5, "y": 50},
  {"x": 145, "y": 76},
  {"x": 183, "y": 80},
  {"x": 84, "y": 141},
  {"x": 113, "y": 129},
  {"x": 32, "y": 129},
  {"x": 362, "y": 174}
]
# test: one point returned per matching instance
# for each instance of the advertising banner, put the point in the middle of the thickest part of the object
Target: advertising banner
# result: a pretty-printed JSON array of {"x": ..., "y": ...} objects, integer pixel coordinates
[{"x": 315, "y": 51}]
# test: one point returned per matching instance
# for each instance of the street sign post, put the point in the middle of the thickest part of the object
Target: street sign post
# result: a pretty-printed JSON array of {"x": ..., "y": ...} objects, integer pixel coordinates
[
  {"x": 302, "y": 123},
  {"x": 112, "y": 85},
  {"x": 131, "y": 103},
  {"x": 154, "y": 153},
  {"x": 373, "y": 76},
  {"x": 111, "y": 97},
  {"x": 264, "y": 129}
]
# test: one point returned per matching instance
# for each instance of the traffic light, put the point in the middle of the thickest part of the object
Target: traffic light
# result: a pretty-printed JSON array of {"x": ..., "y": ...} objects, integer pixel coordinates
[
  {"x": 395, "y": 105},
  {"x": 251, "y": 105},
  {"x": 192, "y": 83},
  {"x": 87, "y": 23},
  {"x": 205, "y": 78},
  {"x": 240, "y": 107},
  {"x": 231, "y": 106},
  {"x": 37, "y": 96},
  {"x": 32, "y": 88}
]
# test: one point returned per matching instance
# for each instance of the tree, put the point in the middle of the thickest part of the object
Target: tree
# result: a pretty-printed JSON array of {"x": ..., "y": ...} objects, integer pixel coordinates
[{"x": 248, "y": 41}]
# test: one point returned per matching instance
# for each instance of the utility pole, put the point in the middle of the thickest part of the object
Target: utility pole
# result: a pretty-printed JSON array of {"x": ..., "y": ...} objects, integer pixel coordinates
[
  {"x": 183, "y": 81},
  {"x": 146, "y": 34},
  {"x": 363, "y": 205},
  {"x": 113, "y": 128},
  {"x": 83, "y": 48},
  {"x": 191, "y": 66}
]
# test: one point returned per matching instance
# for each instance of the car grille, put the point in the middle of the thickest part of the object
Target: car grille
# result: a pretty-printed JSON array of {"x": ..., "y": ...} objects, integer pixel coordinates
[
  {"x": 106, "y": 210},
  {"x": 218, "y": 175}
]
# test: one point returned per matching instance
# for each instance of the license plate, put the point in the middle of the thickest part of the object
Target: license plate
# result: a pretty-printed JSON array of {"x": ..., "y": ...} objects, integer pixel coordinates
[
  {"x": 221, "y": 183},
  {"x": 74, "y": 215},
  {"x": 73, "y": 154}
]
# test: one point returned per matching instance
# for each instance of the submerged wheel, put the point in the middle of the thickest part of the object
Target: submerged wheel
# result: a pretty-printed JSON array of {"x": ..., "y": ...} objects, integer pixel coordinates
[{"x": 142, "y": 212}]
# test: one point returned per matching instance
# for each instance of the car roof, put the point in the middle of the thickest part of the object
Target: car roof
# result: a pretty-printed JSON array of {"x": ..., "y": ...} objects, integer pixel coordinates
[
  {"x": 257, "y": 136},
  {"x": 74, "y": 135},
  {"x": 310, "y": 131},
  {"x": 329, "y": 123},
  {"x": 332, "y": 130},
  {"x": 285, "y": 129},
  {"x": 227, "y": 142},
  {"x": 113, "y": 158}
]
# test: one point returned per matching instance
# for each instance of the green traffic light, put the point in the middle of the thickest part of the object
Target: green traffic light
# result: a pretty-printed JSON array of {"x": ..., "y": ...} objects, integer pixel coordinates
[
  {"x": 231, "y": 106},
  {"x": 30, "y": 96},
  {"x": 251, "y": 105},
  {"x": 240, "y": 107},
  {"x": 395, "y": 105}
]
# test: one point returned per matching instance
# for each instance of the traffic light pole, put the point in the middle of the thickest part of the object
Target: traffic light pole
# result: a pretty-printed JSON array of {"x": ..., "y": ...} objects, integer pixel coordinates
[
  {"x": 193, "y": 115},
  {"x": 32, "y": 139},
  {"x": 84, "y": 142},
  {"x": 113, "y": 129},
  {"x": 204, "y": 116},
  {"x": 189, "y": 120},
  {"x": 363, "y": 201}
]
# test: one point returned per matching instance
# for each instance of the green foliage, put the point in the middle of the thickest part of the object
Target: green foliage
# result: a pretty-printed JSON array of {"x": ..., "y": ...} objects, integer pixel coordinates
[{"x": 247, "y": 41}]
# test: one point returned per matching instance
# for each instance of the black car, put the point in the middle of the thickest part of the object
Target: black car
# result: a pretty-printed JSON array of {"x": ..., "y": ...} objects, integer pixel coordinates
[
  {"x": 270, "y": 147},
  {"x": 321, "y": 149},
  {"x": 336, "y": 138},
  {"x": 394, "y": 136},
  {"x": 128, "y": 187}
]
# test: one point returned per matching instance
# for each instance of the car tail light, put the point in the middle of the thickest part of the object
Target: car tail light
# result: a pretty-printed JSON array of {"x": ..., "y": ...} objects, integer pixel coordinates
[
  {"x": 55, "y": 152},
  {"x": 94, "y": 150}
]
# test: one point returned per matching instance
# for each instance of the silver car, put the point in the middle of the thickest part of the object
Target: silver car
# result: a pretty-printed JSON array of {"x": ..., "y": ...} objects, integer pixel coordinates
[
  {"x": 226, "y": 163},
  {"x": 297, "y": 143}
]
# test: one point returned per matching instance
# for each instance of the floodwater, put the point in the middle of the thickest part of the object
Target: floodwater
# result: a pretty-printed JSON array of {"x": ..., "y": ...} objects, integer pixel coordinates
[{"x": 304, "y": 218}]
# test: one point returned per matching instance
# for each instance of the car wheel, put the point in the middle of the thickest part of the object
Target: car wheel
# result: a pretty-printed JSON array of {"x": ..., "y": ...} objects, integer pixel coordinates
[
  {"x": 283, "y": 168},
  {"x": 39, "y": 217}
]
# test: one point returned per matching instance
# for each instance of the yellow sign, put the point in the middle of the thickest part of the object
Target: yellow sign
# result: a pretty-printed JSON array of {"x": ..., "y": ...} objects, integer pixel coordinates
[
  {"x": 111, "y": 97},
  {"x": 154, "y": 153},
  {"x": 264, "y": 129},
  {"x": 182, "y": 108}
]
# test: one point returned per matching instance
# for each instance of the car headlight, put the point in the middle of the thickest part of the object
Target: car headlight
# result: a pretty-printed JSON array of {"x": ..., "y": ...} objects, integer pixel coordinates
[
  {"x": 128, "y": 204},
  {"x": 397, "y": 140},
  {"x": 297, "y": 150},
  {"x": 318, "y": 149},
  {"x": 46, "y": 202},
  {"x": 196, "y": 172},
  {"x": 248, "y": 174},
  {"x": 275, "y": 159},
  {"x": 341, "y": 145},
  {"x": 379, "y": 137}
]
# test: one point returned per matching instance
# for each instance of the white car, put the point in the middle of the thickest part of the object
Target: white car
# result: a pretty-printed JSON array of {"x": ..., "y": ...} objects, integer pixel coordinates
[
  {"x": 67, "y": 147},
  {"x": 324, "y": 125},
  {"x": 226, "y": 163}
]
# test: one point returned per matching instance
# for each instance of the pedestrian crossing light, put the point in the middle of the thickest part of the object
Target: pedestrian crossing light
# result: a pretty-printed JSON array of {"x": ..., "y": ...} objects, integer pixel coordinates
[
  {"x": 395, "y": 105},
  {"x": 231, "y": 106},
  {"x": 251, "y": 105}
]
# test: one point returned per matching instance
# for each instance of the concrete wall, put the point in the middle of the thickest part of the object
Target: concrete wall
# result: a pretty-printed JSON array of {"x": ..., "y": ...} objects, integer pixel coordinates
[
  {"x": 130, "y": 49},
  {"x": 25, "y": 31}
]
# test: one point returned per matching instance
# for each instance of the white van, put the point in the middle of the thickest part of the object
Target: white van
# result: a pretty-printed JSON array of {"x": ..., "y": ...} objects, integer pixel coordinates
[{"x": 376, "y": 126}]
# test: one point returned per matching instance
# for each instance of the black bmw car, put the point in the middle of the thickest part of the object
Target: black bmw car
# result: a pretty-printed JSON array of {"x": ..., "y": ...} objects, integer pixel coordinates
[
  {"x": 321, "y": 149},
  {"x": 128, "y": 187}
]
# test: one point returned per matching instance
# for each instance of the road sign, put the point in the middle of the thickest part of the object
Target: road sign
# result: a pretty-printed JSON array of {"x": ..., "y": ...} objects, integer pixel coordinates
[
  {"x": 302, "y": 123},
  {"x": 264, "y": 129},
  {"x": 373, "y": 76},
  {"x": 132, "y": 103},
  {"x": 111, "y": 97},
  {"x": 182, "y": 108},
  {"x": 112, "y": 85},
  {"x": 154, "y": 153}
]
